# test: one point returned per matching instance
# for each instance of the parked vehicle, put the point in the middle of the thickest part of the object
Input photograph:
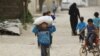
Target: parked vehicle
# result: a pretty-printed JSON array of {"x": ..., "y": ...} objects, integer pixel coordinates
[{"x": 65, "y": 5}]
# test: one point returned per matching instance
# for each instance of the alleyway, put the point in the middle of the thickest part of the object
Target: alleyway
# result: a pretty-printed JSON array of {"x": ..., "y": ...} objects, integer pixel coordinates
[{"x": 63, "y": 43}]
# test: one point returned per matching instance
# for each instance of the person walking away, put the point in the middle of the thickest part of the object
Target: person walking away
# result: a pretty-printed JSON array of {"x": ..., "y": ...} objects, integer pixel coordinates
[
  {"x": 54, "y": 7},
  {"x": 96, "y": 21},
  {"x": 43, "y": 32},
  {"x": 81, "y": 27},
  {"x": 48, "y": 13},
  {"x": 74, "y": 15}
]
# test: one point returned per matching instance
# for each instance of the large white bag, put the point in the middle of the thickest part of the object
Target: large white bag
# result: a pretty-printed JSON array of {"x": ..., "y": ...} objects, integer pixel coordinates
[{"x": 47, "y": 19}]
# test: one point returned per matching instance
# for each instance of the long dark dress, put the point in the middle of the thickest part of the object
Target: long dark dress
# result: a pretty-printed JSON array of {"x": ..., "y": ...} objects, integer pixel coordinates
[{"x": 74, "y": 14}]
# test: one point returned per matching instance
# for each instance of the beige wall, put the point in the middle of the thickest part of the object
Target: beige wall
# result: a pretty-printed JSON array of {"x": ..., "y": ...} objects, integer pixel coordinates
[
  {"x": 99, "y": 2},
  {"x": 32, "y": 7},
  {"x": 49, "y": 4},
  {"x": 94, "y": 2}
]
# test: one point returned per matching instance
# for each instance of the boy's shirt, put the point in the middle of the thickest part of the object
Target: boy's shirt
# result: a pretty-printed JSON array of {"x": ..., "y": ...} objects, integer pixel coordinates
[
  {"x": 90, "y": 29},
  {"x": 51, "y": 29},
  {"x": 81, "y": 26},
  {"x": 96, "y": 22}
]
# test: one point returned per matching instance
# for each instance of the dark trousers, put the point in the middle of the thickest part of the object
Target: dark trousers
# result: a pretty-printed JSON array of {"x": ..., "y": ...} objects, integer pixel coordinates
[
  {"x": 74, "y": 22},
  {"x": 82, "y": 36},
  {"x": 91, "y": 38},
  {"x": 54, "y": 11},
  {"x": 45, "y": 51}
]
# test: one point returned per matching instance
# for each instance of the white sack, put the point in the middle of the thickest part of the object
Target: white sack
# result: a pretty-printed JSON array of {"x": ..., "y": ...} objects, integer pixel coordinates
[{"x": 47, "y": 19}]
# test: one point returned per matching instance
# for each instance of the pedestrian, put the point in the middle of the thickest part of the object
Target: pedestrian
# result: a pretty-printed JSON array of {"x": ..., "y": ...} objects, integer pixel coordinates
[
  {"x": 74, "y": 15},
  {"x": 91, "y": 33},
  {"x": 96, "y": 20},
  {"x": 48, "y": 13},
  {"x": 44, "y": 8},
  {"x": 81, "y": 27},
  {"x": 43, "y": 31},
  {"x": 54, "y": 7}
]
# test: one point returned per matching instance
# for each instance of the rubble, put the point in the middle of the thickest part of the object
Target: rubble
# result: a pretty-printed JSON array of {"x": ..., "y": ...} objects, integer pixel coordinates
[{"x": 10, "y": 27}]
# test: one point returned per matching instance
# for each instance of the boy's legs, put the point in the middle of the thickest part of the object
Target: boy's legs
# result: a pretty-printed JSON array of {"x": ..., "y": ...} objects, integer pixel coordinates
[
  {"x": 54, "y": 11},
  {"x": 45, "y": 51},
  {"x": 90, "y": 40},
  {"x": 48, "y": 51},
  {"x": 82, "y": 35}
]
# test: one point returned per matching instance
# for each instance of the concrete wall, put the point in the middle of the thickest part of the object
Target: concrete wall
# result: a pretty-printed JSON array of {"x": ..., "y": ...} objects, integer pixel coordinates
[
  {"x": 99, "y": 2},
  {"x": 93, "y": 2},
  {"x": 49, "y": 4},
  {"x": 32, "y": 7}
]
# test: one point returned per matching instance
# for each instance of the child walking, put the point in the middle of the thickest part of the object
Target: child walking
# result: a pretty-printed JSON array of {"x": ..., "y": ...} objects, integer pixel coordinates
[
  {"x": 96, "y": 21},
  {"x": 43, "y": 32},
  {"x": 81, "y": 26}
]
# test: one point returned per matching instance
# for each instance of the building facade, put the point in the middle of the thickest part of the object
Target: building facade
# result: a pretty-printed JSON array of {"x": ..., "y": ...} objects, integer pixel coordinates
[
  {"x": 94, "y": 2},
  {"x": 35, "y": 5}
]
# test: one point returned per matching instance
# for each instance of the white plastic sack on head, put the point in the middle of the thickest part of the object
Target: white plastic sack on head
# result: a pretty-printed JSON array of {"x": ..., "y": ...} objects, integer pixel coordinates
[{"x": 42, "y": 19}]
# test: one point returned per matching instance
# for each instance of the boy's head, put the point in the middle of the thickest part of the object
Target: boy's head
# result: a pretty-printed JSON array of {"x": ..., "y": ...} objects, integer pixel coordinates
[
  {"x": 90, "y": 21},
  {"x": 81, "y": 19},
  {"x": 43, "y": 25},
  {"x": 96, "y": 14}
]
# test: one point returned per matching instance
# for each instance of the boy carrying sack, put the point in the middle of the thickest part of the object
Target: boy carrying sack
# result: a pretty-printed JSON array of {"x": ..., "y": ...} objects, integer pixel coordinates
[{"x": 43, "y": 31}]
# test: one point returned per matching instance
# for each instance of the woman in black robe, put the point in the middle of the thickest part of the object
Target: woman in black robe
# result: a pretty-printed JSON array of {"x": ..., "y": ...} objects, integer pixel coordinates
[{"x": 74, "y": 15}]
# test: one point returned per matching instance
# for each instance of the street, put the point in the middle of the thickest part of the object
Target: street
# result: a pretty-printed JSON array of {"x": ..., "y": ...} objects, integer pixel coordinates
[{"x": 63, "y": 43}]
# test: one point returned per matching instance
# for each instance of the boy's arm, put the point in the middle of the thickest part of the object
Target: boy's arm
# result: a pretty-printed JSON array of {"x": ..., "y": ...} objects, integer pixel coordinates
[
  {"x": 52, "y": 29},
  {"x": 96, "y": 30},
  {"x": 83, "y": 29},
  {"x": 35, "y": 30}
]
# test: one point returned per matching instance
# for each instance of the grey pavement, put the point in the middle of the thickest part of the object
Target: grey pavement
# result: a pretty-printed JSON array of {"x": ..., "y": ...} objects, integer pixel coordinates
[{"x": 63, "y": 43}]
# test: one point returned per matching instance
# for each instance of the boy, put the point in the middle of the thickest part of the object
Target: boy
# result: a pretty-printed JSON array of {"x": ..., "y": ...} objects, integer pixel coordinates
[
  {"x": 96, "y": 20},
  {"x": 43, "y": 32},
  {"x": 91, "y": 33},
  {"x": 48, "y": 13},
  {"x": 81, "y": 26},
  {"x": 54, "y": 7}
]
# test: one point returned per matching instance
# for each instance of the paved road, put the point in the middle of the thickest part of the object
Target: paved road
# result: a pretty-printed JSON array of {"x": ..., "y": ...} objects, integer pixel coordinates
[{"x": 63, "y": 43}]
